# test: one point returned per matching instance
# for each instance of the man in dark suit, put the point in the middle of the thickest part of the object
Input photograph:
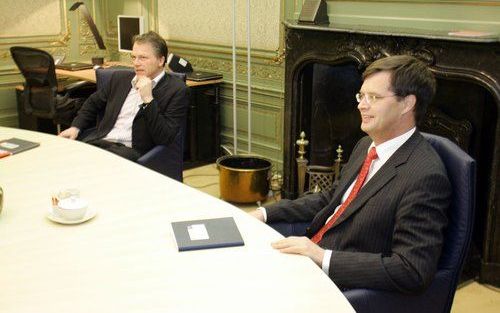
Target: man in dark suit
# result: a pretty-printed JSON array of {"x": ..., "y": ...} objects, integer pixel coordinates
[
  {"x": 382, "y": 226},
  {"x": 139, "y": 111}
]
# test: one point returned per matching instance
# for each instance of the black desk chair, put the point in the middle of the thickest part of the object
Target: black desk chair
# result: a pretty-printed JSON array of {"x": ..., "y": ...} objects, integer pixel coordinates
[
  {"x": 439, "y": 296},
  {"x": 42, "y": 97},
  {"x": 167, "y": 160}
]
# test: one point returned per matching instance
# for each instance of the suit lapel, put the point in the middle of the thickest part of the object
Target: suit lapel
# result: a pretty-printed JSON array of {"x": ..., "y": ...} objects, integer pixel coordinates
[
  {"x": 162, "y": 83},
  {"x": 347, "y": 178},
  {"x": 381, "y": 178}
]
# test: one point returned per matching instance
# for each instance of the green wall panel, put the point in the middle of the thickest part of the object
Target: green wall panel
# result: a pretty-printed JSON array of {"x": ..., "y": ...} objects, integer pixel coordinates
[
  {"x": 420, "y": 15},
  {"x": 8, "y": 106}
]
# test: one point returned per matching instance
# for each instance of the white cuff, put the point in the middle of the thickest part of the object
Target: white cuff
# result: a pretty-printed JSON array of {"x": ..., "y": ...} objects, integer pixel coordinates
[
  {"x": 325, "y": 264},
  {"x": 264, "y": 213}
]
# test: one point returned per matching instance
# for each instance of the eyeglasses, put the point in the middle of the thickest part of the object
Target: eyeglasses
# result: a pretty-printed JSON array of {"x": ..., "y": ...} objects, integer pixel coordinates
[{"x": 370, "y": 98}]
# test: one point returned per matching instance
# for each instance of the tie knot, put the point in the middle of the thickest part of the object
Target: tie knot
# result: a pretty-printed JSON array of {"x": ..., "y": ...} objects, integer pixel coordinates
[{"x": 372, "y": 154}]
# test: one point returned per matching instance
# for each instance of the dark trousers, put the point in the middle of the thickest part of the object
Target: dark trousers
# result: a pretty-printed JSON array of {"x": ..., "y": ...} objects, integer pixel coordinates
[{"x": 117, "y": 148}]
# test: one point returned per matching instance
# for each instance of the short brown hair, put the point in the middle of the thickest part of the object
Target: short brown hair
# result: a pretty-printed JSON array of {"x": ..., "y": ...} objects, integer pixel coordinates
[
  {"x": 409, "y": 76},
  {"x": 158, "y": 43}
]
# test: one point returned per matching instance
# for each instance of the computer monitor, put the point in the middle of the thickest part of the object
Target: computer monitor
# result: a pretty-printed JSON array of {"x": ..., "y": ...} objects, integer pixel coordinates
[{"x": 128, "y": 27}]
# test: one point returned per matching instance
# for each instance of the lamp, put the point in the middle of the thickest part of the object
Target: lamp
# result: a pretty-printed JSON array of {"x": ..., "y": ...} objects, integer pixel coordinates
[{"x": 93, "y": 29}]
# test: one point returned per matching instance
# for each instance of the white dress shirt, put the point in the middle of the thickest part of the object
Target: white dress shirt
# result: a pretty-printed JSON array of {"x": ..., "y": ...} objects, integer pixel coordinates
[
  {"x": 384, "y": 152},
  {"x": 122, "y": 130}
]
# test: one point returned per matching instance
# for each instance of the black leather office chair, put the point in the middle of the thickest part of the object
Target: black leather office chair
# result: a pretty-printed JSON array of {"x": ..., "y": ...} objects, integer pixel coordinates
[
  {"x": 42, "y": 96},
  {"x": 439, "y": 296},
  {"x": 167, "y": 160}
]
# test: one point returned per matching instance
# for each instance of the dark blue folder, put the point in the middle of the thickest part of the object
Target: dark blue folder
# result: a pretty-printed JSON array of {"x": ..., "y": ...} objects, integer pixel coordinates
[
  {"x": 16, "y": 145},
  {"x": 222, "y": 232}
]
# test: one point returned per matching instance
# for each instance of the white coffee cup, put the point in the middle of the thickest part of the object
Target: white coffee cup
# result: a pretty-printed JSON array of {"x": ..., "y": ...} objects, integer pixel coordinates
[{"x": 71, "y": 208}]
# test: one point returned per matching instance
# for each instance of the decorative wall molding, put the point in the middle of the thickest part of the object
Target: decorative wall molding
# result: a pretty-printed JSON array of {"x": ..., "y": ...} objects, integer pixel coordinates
[
  {"x": 259, "y": 55},
  {"x": 267, "y": 120},
  {"x": 32, "y": 18},
  {"x": 57, "y": 42},
  {"x": 87, "y": 42},
  {"x": 54, "y": 43},
  {"x": 259, "y": 71},
  {"x": 213, "y": 22}
]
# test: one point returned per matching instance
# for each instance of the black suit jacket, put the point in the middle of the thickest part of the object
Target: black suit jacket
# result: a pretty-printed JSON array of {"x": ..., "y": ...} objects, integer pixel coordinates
[
  {"x": 157, "y": 124},
  {"x": 390, "y": 236}
]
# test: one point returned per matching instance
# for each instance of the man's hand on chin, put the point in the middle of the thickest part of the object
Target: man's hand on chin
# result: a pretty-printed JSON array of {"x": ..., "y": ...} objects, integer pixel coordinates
[
  {"x": 300, "y": 245},
  {"x": 144, "y": 86}
]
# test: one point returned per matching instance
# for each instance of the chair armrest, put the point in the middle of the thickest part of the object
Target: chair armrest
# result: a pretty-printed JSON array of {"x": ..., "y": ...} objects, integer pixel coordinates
[
  {"x": 360, "y": 299},
  {"x": 152, "y": 155},
  {"x": 432, "y": 300},
  {"x": 78, "y": 84},
  {"x": 290, "y": 229},
  {"x": 160, "y": 159}
]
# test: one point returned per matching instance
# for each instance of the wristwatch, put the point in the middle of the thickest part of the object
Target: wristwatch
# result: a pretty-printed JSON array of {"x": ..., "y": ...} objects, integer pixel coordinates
[{"x": 145, "y": 105}]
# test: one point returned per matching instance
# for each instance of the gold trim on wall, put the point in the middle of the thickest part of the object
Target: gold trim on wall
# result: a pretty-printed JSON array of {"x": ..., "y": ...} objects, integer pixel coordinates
[
  {"x": 57, "y": 43},
  {"x": 261, "y": 71},
  {"x": 153, "y": 15}
]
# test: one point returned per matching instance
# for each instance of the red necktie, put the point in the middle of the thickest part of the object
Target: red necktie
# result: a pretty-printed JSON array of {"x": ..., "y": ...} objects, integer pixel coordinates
[{"x": 372, "y": 155}]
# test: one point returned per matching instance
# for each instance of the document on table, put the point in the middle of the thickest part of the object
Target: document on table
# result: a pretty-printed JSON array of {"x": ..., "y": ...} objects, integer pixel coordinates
[
  {"x": 15, "y": 145},
  {"x": 207, "y": 234}
]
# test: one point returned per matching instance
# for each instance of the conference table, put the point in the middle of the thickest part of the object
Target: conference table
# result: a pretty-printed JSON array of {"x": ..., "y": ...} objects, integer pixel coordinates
[{"x": 125, "y": 259}]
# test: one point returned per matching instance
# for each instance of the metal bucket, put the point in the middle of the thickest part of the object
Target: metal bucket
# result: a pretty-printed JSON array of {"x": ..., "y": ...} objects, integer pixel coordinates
[{"x": 243, "y": 179}]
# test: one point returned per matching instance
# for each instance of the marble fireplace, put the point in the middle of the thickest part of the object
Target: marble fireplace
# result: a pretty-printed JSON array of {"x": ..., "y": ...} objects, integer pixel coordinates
[{"x": 323, "y": 72}]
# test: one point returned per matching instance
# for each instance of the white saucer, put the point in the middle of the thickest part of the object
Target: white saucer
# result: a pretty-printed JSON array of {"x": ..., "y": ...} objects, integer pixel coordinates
[{"x": 91, "y": 212}]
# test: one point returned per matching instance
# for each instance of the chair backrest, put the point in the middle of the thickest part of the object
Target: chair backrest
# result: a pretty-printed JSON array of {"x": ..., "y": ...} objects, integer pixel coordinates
[
  {"x": 167, "y": 160},
  {"x": 40, "y": 89},
  {"x": 461, "y": 169},
  {"x": 103, "y": 75},
  {"x": 181, "y": 76}
]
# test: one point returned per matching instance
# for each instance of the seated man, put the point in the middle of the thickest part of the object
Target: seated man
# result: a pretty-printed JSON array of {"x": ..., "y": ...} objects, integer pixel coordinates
[
  {"x": 138, "y": 111},
  {"x": 382, "y": 226}
]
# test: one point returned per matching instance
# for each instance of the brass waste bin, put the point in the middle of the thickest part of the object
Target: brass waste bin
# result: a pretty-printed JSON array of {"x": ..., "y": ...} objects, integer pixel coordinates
[{"x": 243, "y": 179}]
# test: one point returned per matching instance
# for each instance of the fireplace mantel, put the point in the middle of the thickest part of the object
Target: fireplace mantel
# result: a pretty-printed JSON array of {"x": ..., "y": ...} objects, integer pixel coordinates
[{"x": 486, "y": 37}]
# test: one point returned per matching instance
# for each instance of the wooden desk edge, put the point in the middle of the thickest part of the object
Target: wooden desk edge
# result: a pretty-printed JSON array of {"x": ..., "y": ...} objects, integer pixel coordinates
[{"x": 89, "y": 75}]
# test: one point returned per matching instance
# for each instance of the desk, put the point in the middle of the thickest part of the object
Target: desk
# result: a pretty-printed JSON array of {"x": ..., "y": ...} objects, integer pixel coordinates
[
  {"x": 89, "y": 75},
  {"x": 203, "y": 123},
  {"x": 125, "y": 260}
]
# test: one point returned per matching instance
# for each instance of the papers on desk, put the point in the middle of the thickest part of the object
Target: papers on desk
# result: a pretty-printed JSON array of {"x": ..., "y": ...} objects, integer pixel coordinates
[
  {"x": 206, "y": 234},
  {"x": 199, "y": 76},
  {"x": 74, "y": 66},
  {"x": 15, "y": 145}
]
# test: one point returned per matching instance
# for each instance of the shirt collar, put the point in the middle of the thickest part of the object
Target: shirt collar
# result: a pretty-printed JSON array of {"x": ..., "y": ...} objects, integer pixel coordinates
[
  {"x": 154, "y": 82},
  {"x": 386, "y": 150}
]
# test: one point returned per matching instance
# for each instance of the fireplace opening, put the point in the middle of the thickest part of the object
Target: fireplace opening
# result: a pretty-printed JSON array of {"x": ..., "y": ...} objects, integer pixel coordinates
[{"x": 329, "y": 98}]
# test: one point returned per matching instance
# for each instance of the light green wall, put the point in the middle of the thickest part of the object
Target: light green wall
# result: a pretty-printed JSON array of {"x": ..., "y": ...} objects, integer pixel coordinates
[
  {"x": 76, "y": 41},
  {"x": 207, "y": 45},
  {"x": 438, "y": 15}
]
